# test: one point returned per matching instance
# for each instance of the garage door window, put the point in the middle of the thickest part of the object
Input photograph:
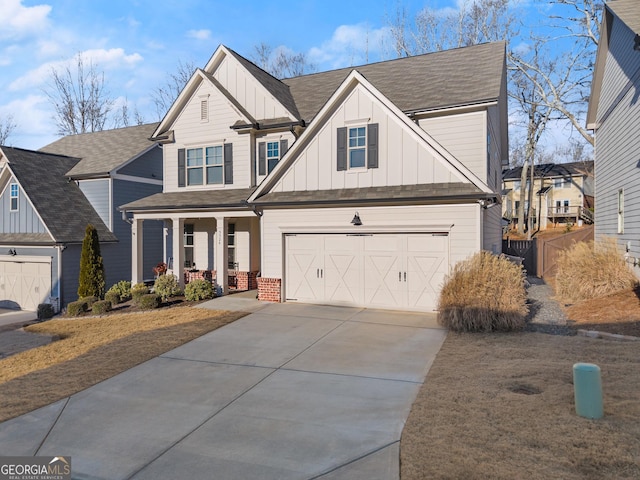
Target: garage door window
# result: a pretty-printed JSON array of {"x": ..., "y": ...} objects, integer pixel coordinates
[{"x": 14, "y": 197}]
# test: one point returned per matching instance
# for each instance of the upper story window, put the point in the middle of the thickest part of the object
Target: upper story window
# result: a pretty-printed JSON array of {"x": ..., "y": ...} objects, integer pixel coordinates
[
  {"x": 269, "y": 154},
  {"x": 13, "y": 197},
  {"x": 357, "y": 147},
  {"x": 562, "y": 183},
  {"x": 205, "y": 165}
]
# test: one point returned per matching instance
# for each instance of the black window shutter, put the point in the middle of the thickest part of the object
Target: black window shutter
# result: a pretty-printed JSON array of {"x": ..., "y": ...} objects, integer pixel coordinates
[
  {"x": 284, "y": 146},
  {"x": 262, "y": 158},
  {"x": 372, "y": 145},
  {"x": 342, "y": 148},
  {"x": 182, "y": 168},
  {"x": 228, "y": 163}
]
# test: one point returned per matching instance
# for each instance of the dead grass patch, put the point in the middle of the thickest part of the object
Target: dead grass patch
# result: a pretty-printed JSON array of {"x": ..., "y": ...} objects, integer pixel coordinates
[
  {"x": 501, "y": 406},
  {"x": 94, "y": 349}
]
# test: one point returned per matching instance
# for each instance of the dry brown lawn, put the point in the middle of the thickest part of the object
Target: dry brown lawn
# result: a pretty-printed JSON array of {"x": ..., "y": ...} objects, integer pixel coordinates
[
  {"x": 500, "y": 406},
  {"x": 92, "y": 349}
]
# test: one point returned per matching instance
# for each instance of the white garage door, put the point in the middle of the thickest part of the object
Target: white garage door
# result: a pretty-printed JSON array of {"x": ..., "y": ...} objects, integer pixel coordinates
[
  {"x": 24, "y": 284},
  {"x": 398, "y": 271}
]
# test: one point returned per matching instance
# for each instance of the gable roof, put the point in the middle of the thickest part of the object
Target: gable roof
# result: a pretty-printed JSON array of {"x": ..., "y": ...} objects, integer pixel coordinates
[
  {"x": 462, "y": 76},
  {"x": 62, "y": 206},
  {"x": 457, "y": 168},
  {"x": 104, "y": 151},
  {"x": 551, "y": 170}
]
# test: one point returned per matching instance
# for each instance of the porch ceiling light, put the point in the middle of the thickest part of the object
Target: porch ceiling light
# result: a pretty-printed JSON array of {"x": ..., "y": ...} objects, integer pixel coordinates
[{"x": 356, "y": 220}]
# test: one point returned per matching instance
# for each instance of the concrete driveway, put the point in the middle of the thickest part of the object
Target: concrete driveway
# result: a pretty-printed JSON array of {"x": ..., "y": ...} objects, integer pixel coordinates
[{"x": 291, "y": 391}]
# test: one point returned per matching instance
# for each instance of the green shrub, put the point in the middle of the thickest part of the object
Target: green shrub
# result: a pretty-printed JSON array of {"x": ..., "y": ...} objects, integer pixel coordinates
[
  {"x": 113, "y": 297},
  {"x": 138, "y": 290},
  {"x": 148, "y": 301},
  {"x": 89, "y": 301},
  {"x": 167, "y": 286},
  {"x": 101, "y": 306},
  {"x": 198, "y": 290},
  {"x": 75, "y": 309},
  {"x": 590, "y": 270},
  {"x": 45, "y": 311},
  {"x": 123, "y": 289},
  {"x": 484, "y": 293},
  {"x": 91, "y": 281}
]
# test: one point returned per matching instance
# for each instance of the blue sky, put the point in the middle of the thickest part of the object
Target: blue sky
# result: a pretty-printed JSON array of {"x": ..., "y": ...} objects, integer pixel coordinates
[{"x": 137, "y": 43}]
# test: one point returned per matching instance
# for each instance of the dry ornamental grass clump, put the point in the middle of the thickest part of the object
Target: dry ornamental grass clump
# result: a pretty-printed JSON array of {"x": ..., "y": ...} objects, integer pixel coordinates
[
  {"x": 484, "y": 293},
  {"x": 590, "y": 270}
]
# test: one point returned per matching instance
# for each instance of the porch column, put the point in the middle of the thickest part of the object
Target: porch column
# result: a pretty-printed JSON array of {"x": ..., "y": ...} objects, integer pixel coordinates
[
  {"x": 178, "y": 249},
  {"x": 137, "y": 273},
  {"x": 221, "y": 254}
]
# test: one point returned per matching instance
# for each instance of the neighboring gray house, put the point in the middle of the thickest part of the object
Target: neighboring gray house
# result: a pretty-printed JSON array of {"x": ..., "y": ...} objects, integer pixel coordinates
[
  {"x": 614, "y": 116},
  {"x": 48, "y": 197},
  {"x": 362, "y": 186}
]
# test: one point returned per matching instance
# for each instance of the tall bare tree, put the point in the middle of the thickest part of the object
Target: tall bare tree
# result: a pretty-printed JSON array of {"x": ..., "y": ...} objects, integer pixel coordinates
[
  {"x": 7, "y": 126},
  {"x": 280, "y": 62},
  {"x": 164, "y": 95},
  {"x": 78, "y": 94}
]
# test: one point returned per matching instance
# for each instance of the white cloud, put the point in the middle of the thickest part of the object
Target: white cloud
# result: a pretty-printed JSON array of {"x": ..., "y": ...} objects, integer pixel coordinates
[
  {"x": 33, "y": 118},
  {"x": 351, "y": 45},
  {"x": 18, "y": 21},
  {"x": 203, "y": 34},
  {"x": 103, "y": 59}
]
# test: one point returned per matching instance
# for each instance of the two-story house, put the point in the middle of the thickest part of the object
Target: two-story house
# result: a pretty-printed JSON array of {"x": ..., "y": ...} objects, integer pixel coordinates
[
  {"x": 360, "y": 186},
  {"x": 613, "y": 115},
  {"x": 47, "y": 199},
  {"x": 563, "y": 193}
]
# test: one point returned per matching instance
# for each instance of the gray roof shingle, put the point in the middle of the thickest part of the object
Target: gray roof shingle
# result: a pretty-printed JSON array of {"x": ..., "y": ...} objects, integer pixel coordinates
[
  {"x": 60, "y": 203},
  {"x": 460, "y": 76},
  {"x": 102, "y": 152},
  {"x": 628, "y": 11},
  {"x": 201, "y": 199},
  {"x": 550, "y": 170}
]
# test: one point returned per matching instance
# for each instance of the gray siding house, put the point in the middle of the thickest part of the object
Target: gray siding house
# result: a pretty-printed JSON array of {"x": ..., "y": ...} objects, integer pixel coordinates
[
  {"x": 48, "y": 197},
  {"x": 614, "y": 116}
]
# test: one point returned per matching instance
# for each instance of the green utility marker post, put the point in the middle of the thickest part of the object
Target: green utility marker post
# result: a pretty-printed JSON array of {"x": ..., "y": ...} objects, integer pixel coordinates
[{"x": 587, "y": 387}]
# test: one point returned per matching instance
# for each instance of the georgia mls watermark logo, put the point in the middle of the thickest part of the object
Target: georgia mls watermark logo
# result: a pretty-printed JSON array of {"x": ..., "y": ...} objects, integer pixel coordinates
[{"x": 35, "y": 468}]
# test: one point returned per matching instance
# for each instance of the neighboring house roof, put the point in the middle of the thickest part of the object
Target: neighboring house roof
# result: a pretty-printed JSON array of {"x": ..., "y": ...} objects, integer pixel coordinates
[
  {"x": 104, "y": 151},
  {"x": 550, "y": 170},
  {"x": 62, "y": 206},
  {"x": 25, "y": 238},
  {"x": 628, "y": 11},
  {"x": 461, "y": 76},
  {"x": 200, "y": 199},
  {"x": 422, "y": 193}
]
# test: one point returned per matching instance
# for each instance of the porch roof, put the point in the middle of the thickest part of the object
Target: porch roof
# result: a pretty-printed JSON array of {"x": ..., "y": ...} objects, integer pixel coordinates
[
  {"x": 426, "y": 193},
  {"x": 26, "y": 238},
  {"x": 199, "y": 200}
]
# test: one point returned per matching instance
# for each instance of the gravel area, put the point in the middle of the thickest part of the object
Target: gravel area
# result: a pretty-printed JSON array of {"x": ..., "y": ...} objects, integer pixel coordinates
[{"x": 545, "y": 314}]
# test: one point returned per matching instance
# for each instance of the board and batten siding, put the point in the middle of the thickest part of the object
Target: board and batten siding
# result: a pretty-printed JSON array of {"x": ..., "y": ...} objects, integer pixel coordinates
[
  {"x": 191, "y": 132},
  {"x": 25, "y": 220},
  {"x": 492, "y": 229},
  {"x": 464, "y": 135},
  {"x": 248, "y": 91},
  {"x": 464, "y": 237},
  {"x": 403, "y": 159},
  {"x": 147, "y": 165},
  {"x": 98, "y": 192}
]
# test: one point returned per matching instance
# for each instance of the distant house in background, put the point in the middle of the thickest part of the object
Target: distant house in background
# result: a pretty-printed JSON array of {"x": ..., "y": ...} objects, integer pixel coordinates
[
  {"x": 563, "y": 193},
  {"x": 48, "y": 197},
  {"x": 614, "y": 116}
]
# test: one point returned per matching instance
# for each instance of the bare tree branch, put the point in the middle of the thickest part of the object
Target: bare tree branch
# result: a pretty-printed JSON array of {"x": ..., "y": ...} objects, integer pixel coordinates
[
  {"x": 281, "y": 62},
  {"x": 7, "y": 126},
  {"x": 164, "y": 95}
]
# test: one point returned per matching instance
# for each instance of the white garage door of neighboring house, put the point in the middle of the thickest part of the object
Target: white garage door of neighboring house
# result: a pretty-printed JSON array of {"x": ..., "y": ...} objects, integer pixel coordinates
[
  {"x": 397, "y": 271},
  {"x": 25, "y": 283}
]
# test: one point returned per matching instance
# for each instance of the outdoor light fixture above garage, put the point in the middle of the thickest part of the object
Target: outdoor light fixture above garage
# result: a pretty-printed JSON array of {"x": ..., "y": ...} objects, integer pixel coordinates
[{"x": 356, "y": 220}]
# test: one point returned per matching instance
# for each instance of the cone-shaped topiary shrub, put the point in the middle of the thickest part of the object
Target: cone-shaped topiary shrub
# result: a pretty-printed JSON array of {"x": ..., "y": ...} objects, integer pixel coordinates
[
  {"x": 485, "y": 293},
  {"x": 589, "y": 270},
  {"x": 91, "y": 281}
]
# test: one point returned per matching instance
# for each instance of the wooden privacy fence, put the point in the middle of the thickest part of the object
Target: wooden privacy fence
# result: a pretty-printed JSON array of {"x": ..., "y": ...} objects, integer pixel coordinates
[
  {"x": 525, "y": 249},
  {"x": 548, "y": 250}
]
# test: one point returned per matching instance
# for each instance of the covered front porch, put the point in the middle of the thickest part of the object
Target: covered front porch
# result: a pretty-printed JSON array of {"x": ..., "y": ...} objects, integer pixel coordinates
[{"x": 213, "y": 236}]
